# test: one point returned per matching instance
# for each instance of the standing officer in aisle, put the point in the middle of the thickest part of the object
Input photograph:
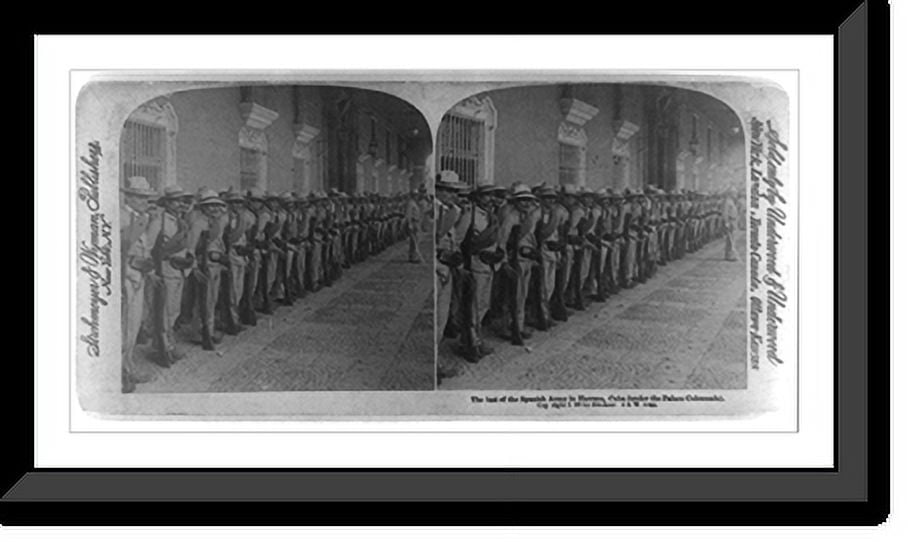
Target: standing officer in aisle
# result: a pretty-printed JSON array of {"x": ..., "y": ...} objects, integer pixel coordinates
[
  {"x": 730, "y": 219},
  {"x": 413, "y": 221},
  {"x": 137, "y": 267}
]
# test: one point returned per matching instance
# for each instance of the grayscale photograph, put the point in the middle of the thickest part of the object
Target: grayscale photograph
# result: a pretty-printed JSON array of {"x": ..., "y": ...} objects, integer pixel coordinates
[
  {"x": 591, "y": 240},
  {"x": 275, "y": 238},
  {"x": 435, "y": 245}
]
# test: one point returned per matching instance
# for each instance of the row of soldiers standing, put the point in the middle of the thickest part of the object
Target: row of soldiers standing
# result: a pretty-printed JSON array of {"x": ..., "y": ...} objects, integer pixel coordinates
[
  {"x": 221, "y": 258},
  {"x": 509, "y": 257}
]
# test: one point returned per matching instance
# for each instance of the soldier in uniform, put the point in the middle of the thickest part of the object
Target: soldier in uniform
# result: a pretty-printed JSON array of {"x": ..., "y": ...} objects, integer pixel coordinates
[
  {"x": 206, "y": 236},
  {"x": 629, "y": 252},
  {"x": 591, "y": 244},
  {"x": 413, "y": 220},
  {"x": 304, "y": 213},
  {"x": 551, "y": 246},
  {"x": 730, "y": 218},
  {"x": 255, "y": 242},
  {"x": 480, "y": 255},
  {"x": 137, "y": 267},
  {"x": 172, "y": 259},
  {"x": 516, "y": 237},
  {"x": 449, "y": 257},
  {"x": 616, "y": 241},
  {"x": 239, "y": 220},
  {"x": 268, "y": 271},
  {"x": 281, "y": 249},
  {"x": 578, "y": 245},
  {"x": 318, "y": 238},
  {"x": 601, "y": 231}
]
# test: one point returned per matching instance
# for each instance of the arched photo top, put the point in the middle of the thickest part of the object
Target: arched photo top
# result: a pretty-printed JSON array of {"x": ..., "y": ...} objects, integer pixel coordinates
[
  {"x": 621, "y": 135},
  {"x": 280, "y": 137}
]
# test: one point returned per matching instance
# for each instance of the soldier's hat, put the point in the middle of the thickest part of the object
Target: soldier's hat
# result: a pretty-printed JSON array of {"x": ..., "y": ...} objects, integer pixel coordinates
[
  {"x": 269, "y": 195},
  {"x": 232, "y": 195},
  {"x": 138, "y": 186},
  {"x": 483, "y": 190},
  {"x": 174, "y": 192},
  {"x": 209, "y": 197},
  {"x": 256, "y": 193},
  {"x": 449, "y": 181},
  {"x": 547, "y": 192},
  {"x": 570, "y": 190},
  {"x": 602, "y": 194},
  {"x": 287, "y": 197},
  {"x": 522, "y": 192}
]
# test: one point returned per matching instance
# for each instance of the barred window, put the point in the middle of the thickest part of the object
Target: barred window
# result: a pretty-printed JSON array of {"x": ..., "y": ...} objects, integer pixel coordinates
[
  {"x": 461, "y": 147},
  {"x": 571, "y": 169},
  {"x": 250, "y": 166},
  {"x": 142, "y": 151}
]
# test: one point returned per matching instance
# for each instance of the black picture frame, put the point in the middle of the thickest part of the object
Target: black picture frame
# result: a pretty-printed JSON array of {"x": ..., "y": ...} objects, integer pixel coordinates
[{"x": 854, "y": 492}]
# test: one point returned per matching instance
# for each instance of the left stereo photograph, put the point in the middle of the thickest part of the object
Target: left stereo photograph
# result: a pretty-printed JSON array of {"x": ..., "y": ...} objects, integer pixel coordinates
[{"x": 249, "y": 236}]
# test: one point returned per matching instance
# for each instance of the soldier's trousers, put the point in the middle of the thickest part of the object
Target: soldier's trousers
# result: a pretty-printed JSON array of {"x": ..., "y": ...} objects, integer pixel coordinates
[
  {"x": 614, "y": 264},
  {"x": 455, "y": 306},
  {"x": 586, "y": 264},
  {"x": 538, "y": 298},
  {"x": 412, "y": 235},
  {"x": 271, "y": 259},
  {"x": 250, "y": 281},
  {"x": 597, "y": 280},
  {"x": 731, "y": 253},
  {"x": 629, "y": 261},
  {"x": 576, "y": 275},
  {"x": 235, "y": 290},
  {"x": 476, "y": 305},
  {"x": 300, "y": 269},
  {"x": 133, "y": 305},
  {"x": 316, "y": 276},
  {"x": 562, "y": 270},
  {"x": 208, "y": 284},
  {"x": 523, "y": 269},
  {"x": 170, "y": 296},
  {"x": 443, "y": 280},
  {"x": 549, "y": 268},
  {"x": 280, "y": 288}
]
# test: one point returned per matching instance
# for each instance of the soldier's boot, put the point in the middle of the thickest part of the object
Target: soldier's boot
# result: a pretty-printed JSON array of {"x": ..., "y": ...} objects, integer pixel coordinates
[
  {"x": 207, "y": 340},
  {"x": 451, "y": 331},
  {"x": 128, "y": 386}
]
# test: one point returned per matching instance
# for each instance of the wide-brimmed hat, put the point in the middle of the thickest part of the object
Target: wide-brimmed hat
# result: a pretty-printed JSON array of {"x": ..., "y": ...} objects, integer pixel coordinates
[
  {"x": 547, "y": 192},
  {"x": 174, "y": 192},
  {"x": 210, "y": 197},
  {"x": 449, "y": 180},
  {"x": 522, "y": 192},
  {"x": 256, "y": 193},
  {"x": 272, "y": 196},
  {"x": 570, "y": 190},
  {"x": 232, "y": 195},
  {"x": 484, "y": 190},
  {"x": 138, "y": 186}
]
